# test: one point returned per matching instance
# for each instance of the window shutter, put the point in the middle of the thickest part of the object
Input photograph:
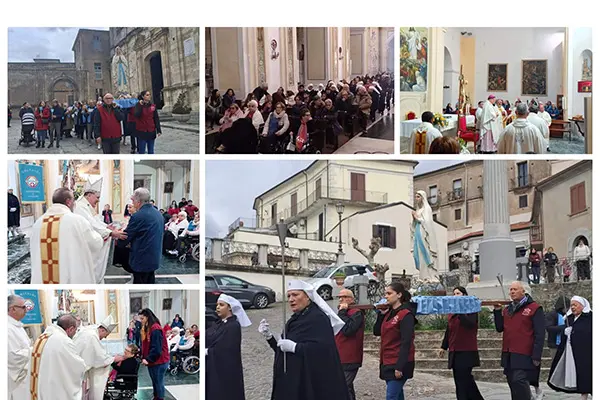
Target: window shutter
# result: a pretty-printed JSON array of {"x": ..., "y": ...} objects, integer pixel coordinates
[
  {"x": 376, "y": 231},
  {"x": 574, "y": 200},
  {"x": 393, "y": 237},
  {"x": 581, "y": 196}
]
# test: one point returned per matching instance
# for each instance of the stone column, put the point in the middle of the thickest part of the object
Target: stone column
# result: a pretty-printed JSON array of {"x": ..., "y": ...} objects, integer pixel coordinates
[
  {"x": 217, "y": 249},
  {"x": 263, "y": 252},
  {"x": 497, "y": 249},
  {"x": 303, "y": 259}
]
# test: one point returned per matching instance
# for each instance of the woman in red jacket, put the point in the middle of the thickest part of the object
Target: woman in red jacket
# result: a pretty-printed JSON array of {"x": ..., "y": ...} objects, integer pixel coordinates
[
  {"x": 396, "y": 326},
  {"x": 42, "y": 122},
  {"x": 147, "y": 124},
  {"x": 460, "y": 340},
  {"x": 155, "y": 351}
]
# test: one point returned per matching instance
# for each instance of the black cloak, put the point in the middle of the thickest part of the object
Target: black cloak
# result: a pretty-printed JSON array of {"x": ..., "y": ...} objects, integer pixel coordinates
[
  {"x": 14, "y": 217},
  {"x": 224, "y": 371},
  {"x": 314, "y": 370},
  {"x": 581, "y": 343}
]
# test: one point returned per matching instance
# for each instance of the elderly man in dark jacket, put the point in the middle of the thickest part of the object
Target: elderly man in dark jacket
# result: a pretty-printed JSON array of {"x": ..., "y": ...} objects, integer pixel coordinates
[
  {"x": 523, "y": 333},
  {"x": 145, "y": 234}
]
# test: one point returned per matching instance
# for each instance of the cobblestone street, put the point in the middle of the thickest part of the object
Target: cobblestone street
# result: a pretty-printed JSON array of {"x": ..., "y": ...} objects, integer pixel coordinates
[
  {"x": 258, "y": 365},
  {"x": 172, "y": 141}
]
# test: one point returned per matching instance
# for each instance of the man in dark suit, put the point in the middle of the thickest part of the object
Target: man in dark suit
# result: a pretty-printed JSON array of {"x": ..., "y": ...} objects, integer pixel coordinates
[{"x": 145, "y": 234}]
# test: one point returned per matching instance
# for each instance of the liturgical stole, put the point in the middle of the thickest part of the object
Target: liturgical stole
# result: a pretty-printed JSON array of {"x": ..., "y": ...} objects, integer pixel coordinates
[
  {"x": 36, "y": 359},
  {"x": 420, "y": 143},
  {"x": 49, "y": 249}
]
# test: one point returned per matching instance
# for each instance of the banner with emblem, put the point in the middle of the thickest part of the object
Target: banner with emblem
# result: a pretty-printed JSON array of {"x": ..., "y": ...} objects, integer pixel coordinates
[
  {"x": 34, "y": 307},
  {"x": 31, "y": 182}
]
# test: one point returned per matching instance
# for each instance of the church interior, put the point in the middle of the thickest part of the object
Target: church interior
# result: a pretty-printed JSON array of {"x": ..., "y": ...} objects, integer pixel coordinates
[
  {"x": 92, "y": 307},
  {"x": 442, "y": 69},
  {"x": 241, "y": 59},
  {"x": 167, "y": 181}
]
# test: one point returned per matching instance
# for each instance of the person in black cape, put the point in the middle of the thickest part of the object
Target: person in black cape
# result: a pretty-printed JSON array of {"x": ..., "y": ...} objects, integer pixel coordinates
[
  {"x": 14, "y": 214},
  {"x": 224, "y": 371},
  {"x": 579, "y": 333},
  {"x": 314, "y": 370},
  {"x": 460, "y": 339}
]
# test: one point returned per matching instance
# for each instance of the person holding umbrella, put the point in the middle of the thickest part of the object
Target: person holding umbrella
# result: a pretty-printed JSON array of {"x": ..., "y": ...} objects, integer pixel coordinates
[{"x": 313, "y": 370}]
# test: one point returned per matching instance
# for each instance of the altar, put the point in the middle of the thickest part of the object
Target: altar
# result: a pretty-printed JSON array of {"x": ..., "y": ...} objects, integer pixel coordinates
[{"x": 408, "y": 126}]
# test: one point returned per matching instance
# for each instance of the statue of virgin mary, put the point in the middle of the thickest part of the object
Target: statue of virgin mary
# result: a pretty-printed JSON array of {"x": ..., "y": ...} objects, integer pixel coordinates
[
  {"x": 423, "y": 244},
  {"x": 119, "y": 72}
]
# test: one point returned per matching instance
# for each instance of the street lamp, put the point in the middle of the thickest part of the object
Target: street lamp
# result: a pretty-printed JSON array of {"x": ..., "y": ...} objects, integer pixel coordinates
[{"x": 339, "y": 207}]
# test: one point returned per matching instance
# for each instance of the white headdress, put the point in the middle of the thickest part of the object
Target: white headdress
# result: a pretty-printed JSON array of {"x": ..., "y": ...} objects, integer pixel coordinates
[
  {"x": 586, "y": 304},
  {"x": 95, "y": 187},
  {"x": 336, "y": 323},
  {"x": 236, "y": 309},
  {"x": 109, "y": 323}
]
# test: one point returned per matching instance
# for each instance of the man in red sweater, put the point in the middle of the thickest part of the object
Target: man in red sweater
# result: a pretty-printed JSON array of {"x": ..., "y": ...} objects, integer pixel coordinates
[
  {"x": 107, "y": 125},
  {"x": 190, "y": 210},
  {"x": 350, "y": 339}
]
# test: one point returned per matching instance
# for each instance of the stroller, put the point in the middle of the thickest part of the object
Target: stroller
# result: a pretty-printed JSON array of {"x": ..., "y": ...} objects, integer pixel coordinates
[{"x": 26, "y": 135}]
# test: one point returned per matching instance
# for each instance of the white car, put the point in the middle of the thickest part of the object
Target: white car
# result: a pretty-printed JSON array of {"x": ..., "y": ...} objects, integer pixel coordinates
[{"x": 324, "y": 282}]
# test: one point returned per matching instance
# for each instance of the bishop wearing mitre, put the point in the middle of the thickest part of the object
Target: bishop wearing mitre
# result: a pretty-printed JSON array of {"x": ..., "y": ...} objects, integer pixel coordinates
[
  {"x": 63, "y": 244},
  {"x": 87, "y": 208},
  {"x": 97, "y": 360},
  {"x": 56, "y": 369}
]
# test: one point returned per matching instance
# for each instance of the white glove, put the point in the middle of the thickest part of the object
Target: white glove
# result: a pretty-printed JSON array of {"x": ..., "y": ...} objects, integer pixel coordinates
[
  {"x": 205, "y": 352},
  {"x": 263, "y": 328},
  {"x": 287, "y": 346},
  {"x": 13, "y": 209},
  {"x": 568, "y": 330}
]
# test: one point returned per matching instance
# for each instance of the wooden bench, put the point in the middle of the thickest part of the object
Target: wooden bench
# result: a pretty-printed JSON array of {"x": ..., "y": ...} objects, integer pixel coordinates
[{"x": 558, "y": 128}]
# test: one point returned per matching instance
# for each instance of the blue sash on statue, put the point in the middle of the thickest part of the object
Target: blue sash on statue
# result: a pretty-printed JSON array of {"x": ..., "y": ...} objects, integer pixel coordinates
[
  {"x": 127, "y": 103},
  {"x": 447, "y": 304}
]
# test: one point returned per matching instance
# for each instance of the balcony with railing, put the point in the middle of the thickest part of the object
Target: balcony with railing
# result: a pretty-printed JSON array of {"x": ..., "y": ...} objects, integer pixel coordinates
[
  {"x": 455, "y": 195},
  {"x": 536, "y": 234},
  {"x": 522, "y": 182},
  {"x": 242, "y": 223}
]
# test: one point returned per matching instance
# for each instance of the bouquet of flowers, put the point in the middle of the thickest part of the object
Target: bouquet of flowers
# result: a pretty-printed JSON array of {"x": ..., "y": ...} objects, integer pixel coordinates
[
  {"x": 439, "y": 120},
  {"x": 463, "y": 146}
]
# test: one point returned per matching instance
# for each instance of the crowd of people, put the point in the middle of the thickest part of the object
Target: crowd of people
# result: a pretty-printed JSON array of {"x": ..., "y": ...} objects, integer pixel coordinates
[
  {"x": 320, "y": 351},
  {"x": 301, "y": 122},
  {"x": 547, "y": 265},
  {"x": 104, "y": 122},
  {"x": 68, "y": 361},
  {"x": 521, "y": 129}
]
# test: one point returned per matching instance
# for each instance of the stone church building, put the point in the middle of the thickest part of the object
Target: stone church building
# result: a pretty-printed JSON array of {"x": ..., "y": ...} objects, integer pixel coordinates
[{"x": 162, "y": 60}]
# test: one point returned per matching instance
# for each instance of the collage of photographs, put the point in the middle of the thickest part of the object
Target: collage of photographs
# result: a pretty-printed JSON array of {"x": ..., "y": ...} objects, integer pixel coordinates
[{"x": 387, "y": 213}]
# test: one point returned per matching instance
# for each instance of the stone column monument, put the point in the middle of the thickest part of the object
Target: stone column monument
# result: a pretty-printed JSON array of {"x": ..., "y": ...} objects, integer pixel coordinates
[{"x": 497, "y": 250}]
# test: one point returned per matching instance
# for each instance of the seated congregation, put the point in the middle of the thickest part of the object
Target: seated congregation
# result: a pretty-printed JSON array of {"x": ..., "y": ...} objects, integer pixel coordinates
[{"x": 312, "y": 121}]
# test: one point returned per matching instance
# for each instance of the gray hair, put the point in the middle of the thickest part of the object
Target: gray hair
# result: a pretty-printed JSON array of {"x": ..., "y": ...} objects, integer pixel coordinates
[
  {"x": 253, "y": 103},
  {"x": 522, "y": 109},
  {"x": 142, "y": 195},
  {"x": 12, "y": 299}
]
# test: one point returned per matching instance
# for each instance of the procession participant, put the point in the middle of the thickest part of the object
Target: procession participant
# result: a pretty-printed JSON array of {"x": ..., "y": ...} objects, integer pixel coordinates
[
  {"x": 578, "y": 359},
  {"x": 555, "y": 323},
  {"x": 19, "y": 350},
  {"x": 396, "y": 326},
  {"x": 314, "y": 370},
  {"x": 491, "y": 125},
  {"x": 523, "y": 332},
  {"x": 107, "y": 125},
  {"x": 350, "y": 339},
  {"x": 86, "y": 207},
  {"x": 460, "y": 339},
  {"x": 63, "y": 244},
  {"x": 522, "y": 136},
  {"x": 224, "y": 371},
  {"x": 56, "y": 369}
]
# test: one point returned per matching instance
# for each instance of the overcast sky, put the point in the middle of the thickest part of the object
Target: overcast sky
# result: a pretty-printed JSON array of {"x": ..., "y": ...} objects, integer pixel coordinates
[
  {"x": 25, "y": 44},
  {"x": 232, "y": 186}
]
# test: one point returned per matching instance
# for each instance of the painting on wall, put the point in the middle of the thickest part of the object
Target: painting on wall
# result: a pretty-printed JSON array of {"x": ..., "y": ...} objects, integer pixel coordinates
[
  {"x": 112, "y": 307},
  {"x": 413, "y": 59},
  {"x": 497, "y": 77},
  {"x": 84, "y": 310},
  {"x": 534, "y": 79},
  {"x": 586, "y": 68}
]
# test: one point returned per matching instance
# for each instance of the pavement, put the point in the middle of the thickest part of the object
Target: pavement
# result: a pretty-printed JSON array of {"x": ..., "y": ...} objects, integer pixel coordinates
[
  {"x": 176, "y": 138},
  {"x": 257, "y": 360}
]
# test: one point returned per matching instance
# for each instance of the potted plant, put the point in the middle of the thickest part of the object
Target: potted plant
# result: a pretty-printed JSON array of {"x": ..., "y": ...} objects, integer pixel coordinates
[
  {"x": 181, "y": 111},
  {"x": 339, "y": 278}
]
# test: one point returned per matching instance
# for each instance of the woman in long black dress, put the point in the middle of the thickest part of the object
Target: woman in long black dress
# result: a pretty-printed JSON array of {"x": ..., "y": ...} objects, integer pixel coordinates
[
  {"x": 577, "y": 337},
  {"x": 224, "y": 371},
  {"x": 460, "y": 340}
]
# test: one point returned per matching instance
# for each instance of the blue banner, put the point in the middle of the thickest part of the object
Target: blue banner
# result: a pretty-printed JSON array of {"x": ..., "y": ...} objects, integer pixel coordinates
[
  {"x": 127, "y": 103},
  {"x": 34, "y": 307},
  {"x": 31, "y": 182},
  {"x": 447, "y": 304}
]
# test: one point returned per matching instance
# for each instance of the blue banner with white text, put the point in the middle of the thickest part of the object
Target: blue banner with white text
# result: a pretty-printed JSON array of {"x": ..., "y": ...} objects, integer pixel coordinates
[
  {"x": 31, "y": 180},
  {"x": 34, "y": 307}
]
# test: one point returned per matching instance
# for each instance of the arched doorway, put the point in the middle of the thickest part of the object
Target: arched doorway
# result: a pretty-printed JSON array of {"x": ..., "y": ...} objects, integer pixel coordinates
[
  {"x": 578, "y": 238},
  {"x": 155, "y": 78},
  {"x": 64, "y": 91},
  {"x": 448, "y": 84}
]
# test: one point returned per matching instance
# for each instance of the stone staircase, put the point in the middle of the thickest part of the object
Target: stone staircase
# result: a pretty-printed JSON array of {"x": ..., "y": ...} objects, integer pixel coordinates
[{"x": 427, "y": 345}]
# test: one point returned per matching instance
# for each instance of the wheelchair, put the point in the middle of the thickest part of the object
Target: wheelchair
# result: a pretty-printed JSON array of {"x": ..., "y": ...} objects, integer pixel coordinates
[
  {"x": 192, "y": 248},
  {"x": 187, "y": 361},
  {"x": 124, "y": 387}
]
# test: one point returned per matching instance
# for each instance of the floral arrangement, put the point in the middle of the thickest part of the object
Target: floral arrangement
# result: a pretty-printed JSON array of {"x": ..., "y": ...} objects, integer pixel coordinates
[
  {"x": 463, "y": 146},
  {"x": 439, "y": 120}
]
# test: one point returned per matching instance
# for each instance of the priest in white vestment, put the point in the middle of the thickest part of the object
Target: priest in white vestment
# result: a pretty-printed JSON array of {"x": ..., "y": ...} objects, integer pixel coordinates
[
  {"x": 97, "y": 360},
  {"x": 491, "y": 125},
  {"x": 56, "y": 369},
  {"x": 478, "y": 115},
  {"x": 86, "y": 207},
  {"x": 543, "y": 114},
  {"x": 423, "y": 135},
  {"x": 19, "y": 350},
  {"x": 63, "y": 244},
  {"x": 521, "y": 137},
  {"x": 539, "y": 123}
]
